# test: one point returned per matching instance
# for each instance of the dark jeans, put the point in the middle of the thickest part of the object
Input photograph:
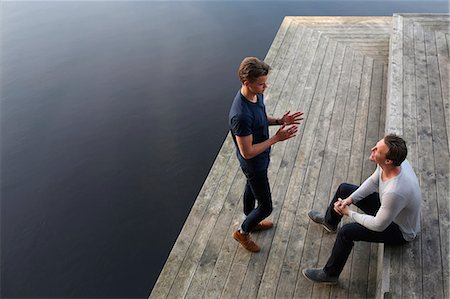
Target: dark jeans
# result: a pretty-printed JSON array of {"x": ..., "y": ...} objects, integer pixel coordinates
[
  {"x": 354, "y": 231},
  {"x": 257, "y": 189}
]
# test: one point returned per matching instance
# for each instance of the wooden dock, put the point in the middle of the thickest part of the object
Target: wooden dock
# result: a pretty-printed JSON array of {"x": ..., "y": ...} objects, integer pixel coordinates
[
  {"x": 335, "y": 69},
  {"x": 419, "y": 109}
]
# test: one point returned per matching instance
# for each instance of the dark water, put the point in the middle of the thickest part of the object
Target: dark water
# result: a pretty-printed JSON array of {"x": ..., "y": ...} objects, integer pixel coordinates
[{"x": 111, "y": 115}]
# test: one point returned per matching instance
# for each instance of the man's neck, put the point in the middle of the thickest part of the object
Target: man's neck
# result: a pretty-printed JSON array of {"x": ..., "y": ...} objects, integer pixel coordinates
[
  {"x": 390, "y": 171},
  {"x": 248, "y": 94}
]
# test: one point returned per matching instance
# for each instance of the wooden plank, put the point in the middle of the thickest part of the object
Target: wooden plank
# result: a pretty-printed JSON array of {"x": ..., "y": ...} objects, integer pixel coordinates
[
  {"x": 199, "y": 242},
  {"x": 219, "y": 233},
  {"x": 216, "y": 283},
  {"x": 396, "y": 272},
  {"x": 237, "y": 273},
  {"x": 305, "y": 88},
  {"x": 282, "y": 165},
  {"x": 374, "y": 261},
  {"x": 323, "y": 195},
  {"x": 381, "y": 129},
  {"x": 442, "y": 167},
  {"x": 225, "y": 259},
  {"x": 189, "y": 265},
  {"x": 409, "y": 97},
  {"x": 272, "y": 171},
  {"x": 447, "y": 39},
  {"x": 372, "y": 276},
  {"x": 358, "y": 154},
  {"x": 322, "y": 81},
  {"x": 432, "y": 275},
  {"x": 331, "y": 120},
  {"x": 359, "y": 275},
  {"x": 357, "y": 151},
  {"x": 395, "y": 80},
  {"x": 278, "y": 40},
  {"x": 444, "y": 70},
  {"x": 276, "y": 86},
  {"x": 314, "y": 144},
  {"x": 442, "y": 161},
  {"x": 276, "y": 255},
  {"x": 430, "y": 43},
  {"x": 279, "y": 70},
  {"x": 343, "y": 159},
  {"x": 306, "y": 170},
  {"x": 411, "y": 280},
  {"x": 181, "y": 246},
  {"x": 311, "y": 113}
]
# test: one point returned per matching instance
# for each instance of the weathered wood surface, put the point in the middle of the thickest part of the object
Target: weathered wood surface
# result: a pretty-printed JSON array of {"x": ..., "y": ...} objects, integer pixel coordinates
[
  {"x": 335, "y": 69},
  {"x": 418, "y": 109}
]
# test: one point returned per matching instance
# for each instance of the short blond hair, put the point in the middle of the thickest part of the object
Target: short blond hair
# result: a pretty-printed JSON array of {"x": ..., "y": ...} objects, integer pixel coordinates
[{"x": 252, "y": 68}]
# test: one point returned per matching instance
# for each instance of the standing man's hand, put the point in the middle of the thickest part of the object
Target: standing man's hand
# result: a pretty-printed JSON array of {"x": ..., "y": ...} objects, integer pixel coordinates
[
  {"x": 291, "y": 119},
  {"x": 286, "y": 132}
]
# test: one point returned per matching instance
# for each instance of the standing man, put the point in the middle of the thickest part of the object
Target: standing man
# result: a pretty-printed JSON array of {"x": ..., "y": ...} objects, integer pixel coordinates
[
  {"x": 249, "y": 128},
  {"x": 390, "y": 197}
]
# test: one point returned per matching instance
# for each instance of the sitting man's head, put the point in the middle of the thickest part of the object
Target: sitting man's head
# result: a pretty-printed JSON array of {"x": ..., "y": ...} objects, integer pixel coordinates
[{"x": 389, "y": 150}]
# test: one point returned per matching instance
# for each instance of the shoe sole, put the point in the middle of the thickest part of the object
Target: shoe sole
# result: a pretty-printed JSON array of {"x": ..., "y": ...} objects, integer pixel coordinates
[
  {"x": 327, "y": 229},
  {"x": 237, "y": 240},
  {"x": 261, "y": 229},
  {"x": 321, "y": 282},
  {"x": 324, "y": 226}
]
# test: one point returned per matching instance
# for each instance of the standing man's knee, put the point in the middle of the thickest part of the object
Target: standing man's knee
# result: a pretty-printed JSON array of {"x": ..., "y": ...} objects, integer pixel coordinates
[{"x": 266, "y": 208}]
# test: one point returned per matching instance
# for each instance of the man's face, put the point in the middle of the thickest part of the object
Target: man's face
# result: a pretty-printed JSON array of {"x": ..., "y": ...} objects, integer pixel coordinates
[
  {"x": 379, "y": 152},
  {"x": 258, "y": 86}
]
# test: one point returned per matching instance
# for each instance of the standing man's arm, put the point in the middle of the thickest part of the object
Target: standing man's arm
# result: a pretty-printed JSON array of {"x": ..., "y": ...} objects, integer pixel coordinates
[{"x": 249, "y": 150}]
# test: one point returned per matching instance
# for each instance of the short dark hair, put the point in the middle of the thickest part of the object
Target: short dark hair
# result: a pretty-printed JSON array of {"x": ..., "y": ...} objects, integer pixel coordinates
[
  {"x": 252, "y": 68},
  {"x": 397, "y": 149}
]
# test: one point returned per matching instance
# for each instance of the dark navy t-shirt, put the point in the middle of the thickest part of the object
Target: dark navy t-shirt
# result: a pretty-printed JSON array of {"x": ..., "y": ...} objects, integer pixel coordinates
[{"x": 247, "y": 118}]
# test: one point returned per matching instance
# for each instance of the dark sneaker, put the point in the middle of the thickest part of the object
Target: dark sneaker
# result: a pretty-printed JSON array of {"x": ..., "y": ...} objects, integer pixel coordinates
[
  {"x": 317, "y": 217},
  {"x": 245, "y": 241},
  {"x": 263, "y": 225},
  {"x": 319, "y": 276}
]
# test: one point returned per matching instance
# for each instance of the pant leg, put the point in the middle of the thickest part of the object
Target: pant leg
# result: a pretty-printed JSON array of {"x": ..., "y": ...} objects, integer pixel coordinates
[
  {"x": 249, "y": 199},
  {"x": 344, "y": 190},
  {"x": 356, "y": 232},
  {"x": 259, "y": 185},
  {"x": 370, "y": 204}
]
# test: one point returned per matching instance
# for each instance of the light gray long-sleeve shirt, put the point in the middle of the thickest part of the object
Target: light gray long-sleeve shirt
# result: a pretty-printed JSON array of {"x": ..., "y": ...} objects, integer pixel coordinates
[{"x": 400, "y": 199}]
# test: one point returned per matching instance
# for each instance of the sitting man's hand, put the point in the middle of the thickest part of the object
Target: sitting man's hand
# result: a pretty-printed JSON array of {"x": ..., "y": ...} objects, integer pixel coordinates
[{"x": 341, "y": 206}]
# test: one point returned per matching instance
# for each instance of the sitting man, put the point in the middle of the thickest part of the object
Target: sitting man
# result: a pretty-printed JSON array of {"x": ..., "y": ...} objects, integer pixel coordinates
[{"x": 391, "y": 199}]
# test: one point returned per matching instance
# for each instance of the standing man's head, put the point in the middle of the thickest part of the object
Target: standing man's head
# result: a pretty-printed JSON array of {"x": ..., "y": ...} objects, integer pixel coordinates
[
  {"x": 389, "y": 150},
  {"x": 253, "y": 74}
]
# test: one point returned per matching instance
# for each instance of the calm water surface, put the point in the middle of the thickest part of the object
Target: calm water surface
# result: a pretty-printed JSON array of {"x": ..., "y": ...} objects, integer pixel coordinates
[{"x": 111, "y": 115}]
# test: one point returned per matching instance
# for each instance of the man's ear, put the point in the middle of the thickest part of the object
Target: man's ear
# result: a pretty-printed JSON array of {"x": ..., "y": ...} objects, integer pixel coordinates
[
  {"x": 388, "y": 161},
  {"x": 246, "y": 83}
]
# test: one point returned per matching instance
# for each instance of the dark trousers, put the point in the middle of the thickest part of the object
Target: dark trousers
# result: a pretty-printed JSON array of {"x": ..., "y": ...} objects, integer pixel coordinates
[
  {"x": 257, "y": 189},
  {"x": 354, "y": 231}
]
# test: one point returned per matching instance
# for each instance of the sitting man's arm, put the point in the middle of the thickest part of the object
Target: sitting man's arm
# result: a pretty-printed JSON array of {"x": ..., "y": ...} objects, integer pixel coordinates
[
  {"x": 391, "y": 205},
  {"x": 369, "y": 186}
]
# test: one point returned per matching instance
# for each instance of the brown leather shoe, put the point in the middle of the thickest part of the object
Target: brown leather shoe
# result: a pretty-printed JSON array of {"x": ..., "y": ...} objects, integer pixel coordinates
[
  {"x": 245, "y": 241},
  {"x": 263, "y": 225}
]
